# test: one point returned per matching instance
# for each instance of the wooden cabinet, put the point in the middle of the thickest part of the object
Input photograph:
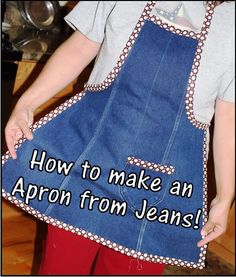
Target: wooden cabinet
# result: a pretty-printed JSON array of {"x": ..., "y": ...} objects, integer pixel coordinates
[
  {"x": 226, "y": 240},
  {"x": 224, "y": 246},
  {"x": 27, "y": 73},
  {"x": 29, "y": 70}
]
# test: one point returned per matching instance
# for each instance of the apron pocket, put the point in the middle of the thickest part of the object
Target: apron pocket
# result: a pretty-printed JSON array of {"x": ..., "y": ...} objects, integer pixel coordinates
[{"x": 145, "y": 180}]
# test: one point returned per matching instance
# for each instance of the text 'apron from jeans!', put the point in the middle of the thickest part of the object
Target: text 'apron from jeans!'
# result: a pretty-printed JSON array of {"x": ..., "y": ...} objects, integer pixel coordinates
[{"x": 139, "y": 121}]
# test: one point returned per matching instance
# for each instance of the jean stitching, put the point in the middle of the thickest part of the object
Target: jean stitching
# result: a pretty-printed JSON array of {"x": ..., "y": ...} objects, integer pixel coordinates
[
  {"x": 141, "y": 234},
  {"x": 150, "y": 94},
  {"x": 174, "y": 130},
  {"x": 90, "y": 143},
  {"x": 146, "y": 107}
]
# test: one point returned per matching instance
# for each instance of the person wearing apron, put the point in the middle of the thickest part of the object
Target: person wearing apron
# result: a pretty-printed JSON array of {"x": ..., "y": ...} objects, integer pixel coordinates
[{"x": 137, "y": 148}]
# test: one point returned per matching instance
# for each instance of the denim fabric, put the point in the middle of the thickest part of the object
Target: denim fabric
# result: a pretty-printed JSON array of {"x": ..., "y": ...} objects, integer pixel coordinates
[{"x": 141, "y": 114}]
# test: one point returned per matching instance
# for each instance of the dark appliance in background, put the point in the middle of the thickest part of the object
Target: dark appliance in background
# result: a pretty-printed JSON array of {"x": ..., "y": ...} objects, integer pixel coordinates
[
  {"x": 35, "y": 31},
  {"x": 9, "y": 69},
  {"x": 42, "y": 15}
]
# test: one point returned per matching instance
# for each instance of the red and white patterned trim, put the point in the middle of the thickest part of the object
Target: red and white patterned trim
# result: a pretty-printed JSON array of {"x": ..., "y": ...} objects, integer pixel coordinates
[
  {"x": 205, "y": 212},
  {"x": 201, "y": 37},
  {"x": 203, "y": 250},
  {"x": 173, "y": 29},
  {"x": 195, "y": 68},
  {"x": 168, "y": 169},
  {"x": 48, "y": 117},
  {"x": 103, "y": 241},
  {"x": 102, "y": 86},
  {"x": 113, "y": 245}
]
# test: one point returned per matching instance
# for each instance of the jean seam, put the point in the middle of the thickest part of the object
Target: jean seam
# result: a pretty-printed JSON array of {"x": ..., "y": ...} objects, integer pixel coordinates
[
  {"x": 174, "y": 130},
  {"x": 156, "y": 75},
  {"x": 146, "y": 107},
  {"x": 90, "y": 143},
  {"x": 141, "y": 235}
]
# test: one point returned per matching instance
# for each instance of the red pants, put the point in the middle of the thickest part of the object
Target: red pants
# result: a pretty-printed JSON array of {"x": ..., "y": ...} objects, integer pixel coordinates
[{"x": 66, "y": 253}]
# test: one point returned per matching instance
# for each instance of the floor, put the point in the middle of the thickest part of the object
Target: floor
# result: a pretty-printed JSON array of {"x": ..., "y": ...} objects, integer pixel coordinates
[
  {"x": 216, "y": 266},
  {"x": 21, "y": 248}
]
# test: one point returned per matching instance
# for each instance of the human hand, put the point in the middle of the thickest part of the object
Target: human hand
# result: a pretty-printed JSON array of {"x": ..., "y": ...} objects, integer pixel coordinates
[
  {"x": 17, "y": 126},
  {"x": 217, "y": 221}
]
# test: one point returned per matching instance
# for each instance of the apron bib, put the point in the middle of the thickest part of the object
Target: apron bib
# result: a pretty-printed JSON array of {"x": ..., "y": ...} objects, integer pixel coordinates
[{"x": 140, "y": 124}]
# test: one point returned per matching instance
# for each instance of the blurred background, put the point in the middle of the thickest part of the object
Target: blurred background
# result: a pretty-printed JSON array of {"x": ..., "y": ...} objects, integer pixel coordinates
[{"x": 31, "y": 31}]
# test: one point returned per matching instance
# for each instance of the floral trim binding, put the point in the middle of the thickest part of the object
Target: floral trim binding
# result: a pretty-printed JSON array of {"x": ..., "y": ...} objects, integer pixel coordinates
[
  {"x": 103, "y": 241},
  {"x": 42, "y": 121},
  {"x": 157, "y": 167},
  {"x": 201, "y": 37}
]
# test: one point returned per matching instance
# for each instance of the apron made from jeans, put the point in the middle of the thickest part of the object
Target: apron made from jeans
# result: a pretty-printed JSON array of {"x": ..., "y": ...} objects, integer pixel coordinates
[{"x": 140, "y": 118}]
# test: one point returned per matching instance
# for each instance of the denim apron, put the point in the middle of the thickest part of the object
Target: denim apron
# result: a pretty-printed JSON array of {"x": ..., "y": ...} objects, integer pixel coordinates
[{"x": 140, "y": 120}]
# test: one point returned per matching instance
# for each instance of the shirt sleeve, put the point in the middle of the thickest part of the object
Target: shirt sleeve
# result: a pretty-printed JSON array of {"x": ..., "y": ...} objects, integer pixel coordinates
[
  {"x": 227, "y": 86},
  {"x": 90, "y": 17}
]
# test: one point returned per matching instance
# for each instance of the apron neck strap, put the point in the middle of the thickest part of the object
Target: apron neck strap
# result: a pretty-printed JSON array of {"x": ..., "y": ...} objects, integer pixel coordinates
[{"x": 208, "y": 18}]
